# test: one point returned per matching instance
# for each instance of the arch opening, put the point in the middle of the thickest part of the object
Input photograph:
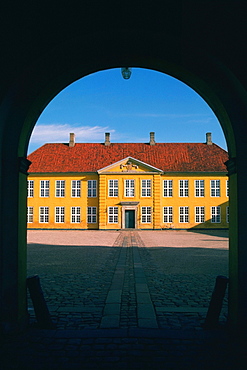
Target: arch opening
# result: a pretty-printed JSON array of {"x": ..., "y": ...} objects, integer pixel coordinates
[{"x": 119, "y": 77}]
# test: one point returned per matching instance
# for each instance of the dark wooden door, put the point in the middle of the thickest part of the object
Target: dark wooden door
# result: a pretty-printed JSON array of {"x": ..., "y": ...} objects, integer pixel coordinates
[{"x": 129, "y": 219}]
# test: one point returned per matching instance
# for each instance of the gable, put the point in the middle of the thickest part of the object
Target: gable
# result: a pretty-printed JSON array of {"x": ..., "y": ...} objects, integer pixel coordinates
[{"x": 129, "y": 165}]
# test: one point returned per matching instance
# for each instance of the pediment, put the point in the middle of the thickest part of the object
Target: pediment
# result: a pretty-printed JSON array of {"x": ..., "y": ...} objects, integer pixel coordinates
[{"x": 129, "y": 165}]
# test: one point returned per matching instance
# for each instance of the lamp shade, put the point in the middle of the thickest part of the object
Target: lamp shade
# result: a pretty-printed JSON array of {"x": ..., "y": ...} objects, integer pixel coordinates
[{"x": 126, "y": 72}]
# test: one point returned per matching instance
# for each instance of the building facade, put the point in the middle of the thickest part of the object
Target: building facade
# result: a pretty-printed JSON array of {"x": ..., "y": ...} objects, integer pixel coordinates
[{"x": 128, "y": 185}]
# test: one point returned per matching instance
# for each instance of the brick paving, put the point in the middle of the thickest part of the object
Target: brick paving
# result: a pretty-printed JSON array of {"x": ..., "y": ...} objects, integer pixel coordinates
[{"x": 125, "y": 300}]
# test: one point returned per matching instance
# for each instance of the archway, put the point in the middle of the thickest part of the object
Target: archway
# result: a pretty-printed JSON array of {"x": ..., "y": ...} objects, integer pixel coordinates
[{"x": 36, "y": 86}]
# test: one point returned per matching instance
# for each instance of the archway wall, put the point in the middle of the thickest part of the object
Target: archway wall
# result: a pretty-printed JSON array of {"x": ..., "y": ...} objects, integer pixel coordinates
[{"x": 27, "y": 89}]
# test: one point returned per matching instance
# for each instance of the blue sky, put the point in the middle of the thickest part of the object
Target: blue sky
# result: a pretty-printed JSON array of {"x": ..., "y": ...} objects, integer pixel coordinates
[{"x": 128, "y": 109}]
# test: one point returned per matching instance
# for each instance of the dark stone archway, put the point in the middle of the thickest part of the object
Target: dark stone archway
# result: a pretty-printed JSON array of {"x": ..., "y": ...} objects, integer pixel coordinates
[{"x": 48, "y": 48}]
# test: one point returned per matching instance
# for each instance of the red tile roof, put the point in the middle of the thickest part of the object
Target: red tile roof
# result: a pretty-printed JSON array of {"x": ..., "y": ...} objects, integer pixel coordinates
[{"x": 90, "y": 157}]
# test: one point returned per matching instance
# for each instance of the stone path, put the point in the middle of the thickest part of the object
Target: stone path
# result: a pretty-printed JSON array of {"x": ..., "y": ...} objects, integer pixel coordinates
[{"x": 129, "y": 264}]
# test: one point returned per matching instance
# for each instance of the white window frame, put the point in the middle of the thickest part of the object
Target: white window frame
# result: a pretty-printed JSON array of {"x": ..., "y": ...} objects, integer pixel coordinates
[
  {"x": 199, "y": 214},
  {"x": 44, "y": 188},
  {"x": 146, "y": 188},
  {"x": 146, "y": 215},
  {"x": 113, "y": 215},
  {"x": 113, "y": 188},
  {"x": 168, "y": 188},
  {"x": 199, "y": 188},
  {"x": 75, "y": 188},
  {"x": 60, "y": 188},
  {"x": 168, "y": 214},
  {"x": 30, "y": 188},
  {"x": 59, "y": 215},
  {"x": 91, "y": 215},
  {"x": 227, "y": 214},
  {"x": 183, "y": 188},
  {"x": 29, "y": 215},
  {"x": 43, "y": 215},
  {"x": 75, "y": 214},
  {"x": 227, "y": 188},
  {"x": 92, "y": 188},
  {"x": 184, "y": 215},
  {"x": 215, "y": 188},
  {"x": 216, "y": 215},
  {"x": 129, "y": 188}
]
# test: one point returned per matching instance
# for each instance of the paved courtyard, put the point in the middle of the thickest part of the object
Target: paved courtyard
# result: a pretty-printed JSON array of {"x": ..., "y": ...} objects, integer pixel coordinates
[
  {"x": 126, "y": 300},
  {"x": 122, "y": 279}
]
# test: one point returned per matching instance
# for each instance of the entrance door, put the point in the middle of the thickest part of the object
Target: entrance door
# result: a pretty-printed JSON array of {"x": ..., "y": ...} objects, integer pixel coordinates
[{"x": 129, "y": 219}]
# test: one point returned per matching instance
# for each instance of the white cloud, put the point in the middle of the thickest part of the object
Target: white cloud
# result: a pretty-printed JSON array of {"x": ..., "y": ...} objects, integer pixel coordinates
[{"x": 59, "y": 133}]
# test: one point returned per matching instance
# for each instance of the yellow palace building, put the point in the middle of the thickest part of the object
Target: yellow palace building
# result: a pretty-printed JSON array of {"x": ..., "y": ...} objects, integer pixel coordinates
[{"x": 128, "y": 185}]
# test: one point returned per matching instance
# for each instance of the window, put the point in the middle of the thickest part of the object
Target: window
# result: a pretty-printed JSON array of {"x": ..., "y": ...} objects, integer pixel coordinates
[
  {"x": 146, "y": 215},
  {"x": 30, "y": 188},
  {"x": 92, "y": 188},
  {"x": 227, "y": 188},
  {"x": 215, "y": 214},
  {"x": 43, "y": 214},
  {"x": 113, "y": 188},
  {"x": 59, "y": 214},
  {"x": 200, "y": 215},
  {"x": 227, "y": 214},
  {"x": 199, "y": 188},
  {"x": 183, "y": 188},
  {"x": 129, "y": 188},
  {"x": 215, "y": 188},
  {"x": 75, "y": 215},
  {"x": 167, "y": 188},
  {"x": 60, "y": 188},
  {"x": 168, "y": 214},
  {"x": 112, "y": 215},
  {"x": 183, "y": 214},
  {"x": 29, "y": 215},
  {"x": 146, "y": 188},
  {"x": 44, "y": 188},
  {"x": 75, "y": 188},
  {"x": 91, "y": 215}
]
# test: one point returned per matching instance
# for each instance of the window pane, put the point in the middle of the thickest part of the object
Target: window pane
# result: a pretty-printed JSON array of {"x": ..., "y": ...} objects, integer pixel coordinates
[
  {"x": 92, "y": 188},
  {"x": 129, "y": 188},
  {"x": 29, "y": 214},
  {"x": 44, "y": 188},
  {"x": 60, "y": 188},
  {"x": 30, "y": 188},
  {"x": 76, "y": 188},
  {"x": 75, "y": 214},
  {"x": 91, "y": 215},
  {"x": 183, "y": 188},
  {"x": 167, "y": 188},
  {"x": 44, "y": 214},
  {"x": 113, "y": 188},
  {"x": 113, "y": 214},
  {"x": 183, "y": 214},
  {"x": 59, "y": 214},
  {"x": 168, "y": 214}
]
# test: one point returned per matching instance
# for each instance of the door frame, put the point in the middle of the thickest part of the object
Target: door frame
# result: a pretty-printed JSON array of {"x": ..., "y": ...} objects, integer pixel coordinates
[{"x": 132, "y": 206}]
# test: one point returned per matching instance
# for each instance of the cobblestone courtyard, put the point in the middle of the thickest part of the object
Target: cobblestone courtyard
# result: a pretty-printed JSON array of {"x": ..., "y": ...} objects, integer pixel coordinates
[
  {"x": 126, "y": 300},
  {"x": 165, "y": 278}
]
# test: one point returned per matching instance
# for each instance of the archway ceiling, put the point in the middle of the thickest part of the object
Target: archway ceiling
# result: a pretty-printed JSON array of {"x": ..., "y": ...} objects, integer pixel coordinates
[{"x": 30, "y": 29}]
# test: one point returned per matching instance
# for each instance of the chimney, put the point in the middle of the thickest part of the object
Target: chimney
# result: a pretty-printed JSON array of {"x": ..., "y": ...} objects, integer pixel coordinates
[
  {"x": 209, "y": 138},
  {"x": 152, "y": 141},
  {"x": 107, "y": 139},
  {"x": 71, "y": 140}
]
